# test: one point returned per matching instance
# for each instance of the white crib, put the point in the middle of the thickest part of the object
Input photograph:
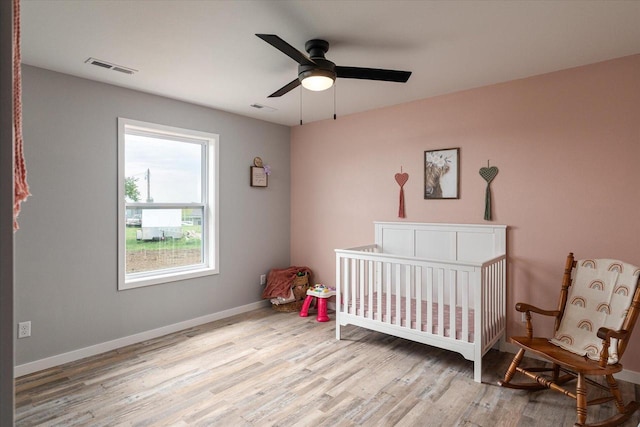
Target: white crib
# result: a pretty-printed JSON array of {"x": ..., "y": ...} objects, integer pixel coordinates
[{"x": 439, "y": 284}]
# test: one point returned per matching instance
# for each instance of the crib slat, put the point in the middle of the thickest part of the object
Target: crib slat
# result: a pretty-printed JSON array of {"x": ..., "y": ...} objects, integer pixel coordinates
[
  {"x": 346, "y": 283},
  {"x": 499, "y": 294},
  {"x": 354, "y": 281},
  {"x": 465, "y": 307},
  {"x": 499, "y": 300},
  {"x": 418, "y": 297},
  {"x": 492, "y": 290},
  {"x": 370, "y": 288},
  {"x": 494, "y": 293},
  {"x": 361, "y": 288},
  {"x": 378, "y": 268},
  {"x": 453, "y": 297},
  {"x": 489, "y": 306},
  {"x": 476, "y": 285},
  {"x": 440, "y": 301},
  {"x": 407, "y": 299},
  {"x": 397, "y": 296},
  {"x": 492, "y": 283},
  {"x": 388, "y": 292},
  {"x": 339, "y": 290},
  {"x": 430, "y": 272}
]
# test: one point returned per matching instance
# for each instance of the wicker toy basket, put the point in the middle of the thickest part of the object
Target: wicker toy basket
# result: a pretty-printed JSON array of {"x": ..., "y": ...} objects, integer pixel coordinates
[{"x": 299, "y": 286}]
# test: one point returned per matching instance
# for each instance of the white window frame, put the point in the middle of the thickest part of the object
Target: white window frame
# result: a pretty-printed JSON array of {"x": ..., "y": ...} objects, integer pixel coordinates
[{"x": 209, "y": 204}]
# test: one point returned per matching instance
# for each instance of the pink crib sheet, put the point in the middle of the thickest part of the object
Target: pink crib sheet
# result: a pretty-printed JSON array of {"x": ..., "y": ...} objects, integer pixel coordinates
[{"x": 392, "y": 316}]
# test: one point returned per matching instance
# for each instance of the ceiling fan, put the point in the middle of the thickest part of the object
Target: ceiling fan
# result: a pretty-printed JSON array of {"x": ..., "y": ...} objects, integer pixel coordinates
[{"x": 317, "y": 73}]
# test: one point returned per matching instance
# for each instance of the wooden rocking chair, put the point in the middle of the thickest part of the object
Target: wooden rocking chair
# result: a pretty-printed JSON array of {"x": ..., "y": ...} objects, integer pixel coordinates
[{"x": 572, "y": 335}]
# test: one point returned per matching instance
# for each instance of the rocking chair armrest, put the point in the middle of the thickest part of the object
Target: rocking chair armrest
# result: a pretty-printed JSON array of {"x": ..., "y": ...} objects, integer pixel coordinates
[
  {"x": 607, "y": 334},
  {"x": 528, "y": 309},
  {"x": 523, "y": 307}
]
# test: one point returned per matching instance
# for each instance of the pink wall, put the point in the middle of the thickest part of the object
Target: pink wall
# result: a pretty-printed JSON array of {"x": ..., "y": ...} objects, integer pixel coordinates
[{"x": 567, "y": 145}]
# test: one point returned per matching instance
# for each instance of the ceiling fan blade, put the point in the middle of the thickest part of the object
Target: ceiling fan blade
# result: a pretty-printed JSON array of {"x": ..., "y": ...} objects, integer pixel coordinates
[
  {"x": 286, "y": 88},
  {"x": 286, "y": 48},
  {"x": 373, "y": 74}
]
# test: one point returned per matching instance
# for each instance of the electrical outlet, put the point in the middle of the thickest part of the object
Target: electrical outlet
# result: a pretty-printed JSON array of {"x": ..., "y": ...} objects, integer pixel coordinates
[
  {"x": 263, "y": 279},
  {"x": 524, "y": 317},
  {"x": 24, "y": 329}
]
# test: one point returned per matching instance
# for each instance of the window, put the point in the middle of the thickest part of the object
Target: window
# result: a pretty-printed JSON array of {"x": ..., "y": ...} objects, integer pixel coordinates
[{"x": 167, "y": 204}]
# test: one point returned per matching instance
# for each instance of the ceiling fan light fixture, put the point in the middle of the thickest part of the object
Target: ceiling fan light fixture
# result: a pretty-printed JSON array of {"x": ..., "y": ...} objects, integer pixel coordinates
[
  {"x": 317, "y": 79},
  {"x": 317, "y": 83}
]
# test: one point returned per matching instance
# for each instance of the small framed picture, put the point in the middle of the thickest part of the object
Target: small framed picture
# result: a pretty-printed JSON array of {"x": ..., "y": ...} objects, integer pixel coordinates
[
  {"x": 259, "y": 177},
  {"x": 442, "y": 174}
]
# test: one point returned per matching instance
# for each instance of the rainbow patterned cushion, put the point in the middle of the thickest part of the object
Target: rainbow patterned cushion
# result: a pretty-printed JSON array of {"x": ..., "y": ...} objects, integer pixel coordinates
[{"x": 600, "y": 296}]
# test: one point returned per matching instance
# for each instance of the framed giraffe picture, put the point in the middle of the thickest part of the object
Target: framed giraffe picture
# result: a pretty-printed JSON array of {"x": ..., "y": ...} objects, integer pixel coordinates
[{"x": 442, "y": 174}]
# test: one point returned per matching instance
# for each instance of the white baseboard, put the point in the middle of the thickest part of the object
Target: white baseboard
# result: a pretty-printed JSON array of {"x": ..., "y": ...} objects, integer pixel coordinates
[
  {"x": 625, "y": 375},
  {"x": 93, "y": 350}
]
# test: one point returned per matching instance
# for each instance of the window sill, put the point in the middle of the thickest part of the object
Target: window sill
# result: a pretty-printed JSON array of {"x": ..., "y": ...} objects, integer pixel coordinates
[{"x": 169, "y": 277}]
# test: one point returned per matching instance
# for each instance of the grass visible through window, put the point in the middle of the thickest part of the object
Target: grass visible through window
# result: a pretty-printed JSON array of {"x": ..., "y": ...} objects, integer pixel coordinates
[{"x": 149, "y": 255}]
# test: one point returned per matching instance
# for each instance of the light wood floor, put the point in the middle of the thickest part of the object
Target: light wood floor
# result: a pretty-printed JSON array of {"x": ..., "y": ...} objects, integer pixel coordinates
[{"x": 266, "y": 368}]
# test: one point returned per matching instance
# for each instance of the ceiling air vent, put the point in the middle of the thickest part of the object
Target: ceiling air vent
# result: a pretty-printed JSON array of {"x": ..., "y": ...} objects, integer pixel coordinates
[
  {"x": 263, "y": 107},
  {"x": 110, "y": 66}
]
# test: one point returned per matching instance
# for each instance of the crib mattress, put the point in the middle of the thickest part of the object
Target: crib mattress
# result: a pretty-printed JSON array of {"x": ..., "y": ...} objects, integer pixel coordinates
[{"x": 392, "y": 316}]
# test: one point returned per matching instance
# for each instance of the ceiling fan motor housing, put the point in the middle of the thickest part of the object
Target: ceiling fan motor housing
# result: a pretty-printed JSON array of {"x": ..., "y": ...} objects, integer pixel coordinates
[{"x": 316, "y": 48}]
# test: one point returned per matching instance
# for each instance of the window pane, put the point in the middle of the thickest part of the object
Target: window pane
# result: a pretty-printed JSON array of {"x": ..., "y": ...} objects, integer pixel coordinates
[
  {"x": 160, "y": 239},
  {"x": 163, "y": 170}
]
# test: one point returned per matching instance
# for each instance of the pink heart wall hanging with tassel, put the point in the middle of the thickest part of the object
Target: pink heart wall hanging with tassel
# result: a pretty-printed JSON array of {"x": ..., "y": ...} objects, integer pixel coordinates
[{"x": 401, "y": 179}]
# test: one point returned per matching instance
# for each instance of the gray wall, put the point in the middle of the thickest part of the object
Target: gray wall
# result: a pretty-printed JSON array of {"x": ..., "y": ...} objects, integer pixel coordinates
[
  {"x": 66, "y": 251},
  {"x": 6, "y": 216}
]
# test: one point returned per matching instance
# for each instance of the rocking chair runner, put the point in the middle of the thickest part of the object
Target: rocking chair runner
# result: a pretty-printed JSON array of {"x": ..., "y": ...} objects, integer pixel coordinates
[{"x": 593, "y": 325}]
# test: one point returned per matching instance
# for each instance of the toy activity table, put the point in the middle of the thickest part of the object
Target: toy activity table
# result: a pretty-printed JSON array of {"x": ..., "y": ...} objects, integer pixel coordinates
[{"x": 319, "y": 294}]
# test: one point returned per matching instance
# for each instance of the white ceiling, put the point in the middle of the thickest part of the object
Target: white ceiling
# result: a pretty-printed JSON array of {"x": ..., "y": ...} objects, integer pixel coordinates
[{"x": 205, "y": 52}]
